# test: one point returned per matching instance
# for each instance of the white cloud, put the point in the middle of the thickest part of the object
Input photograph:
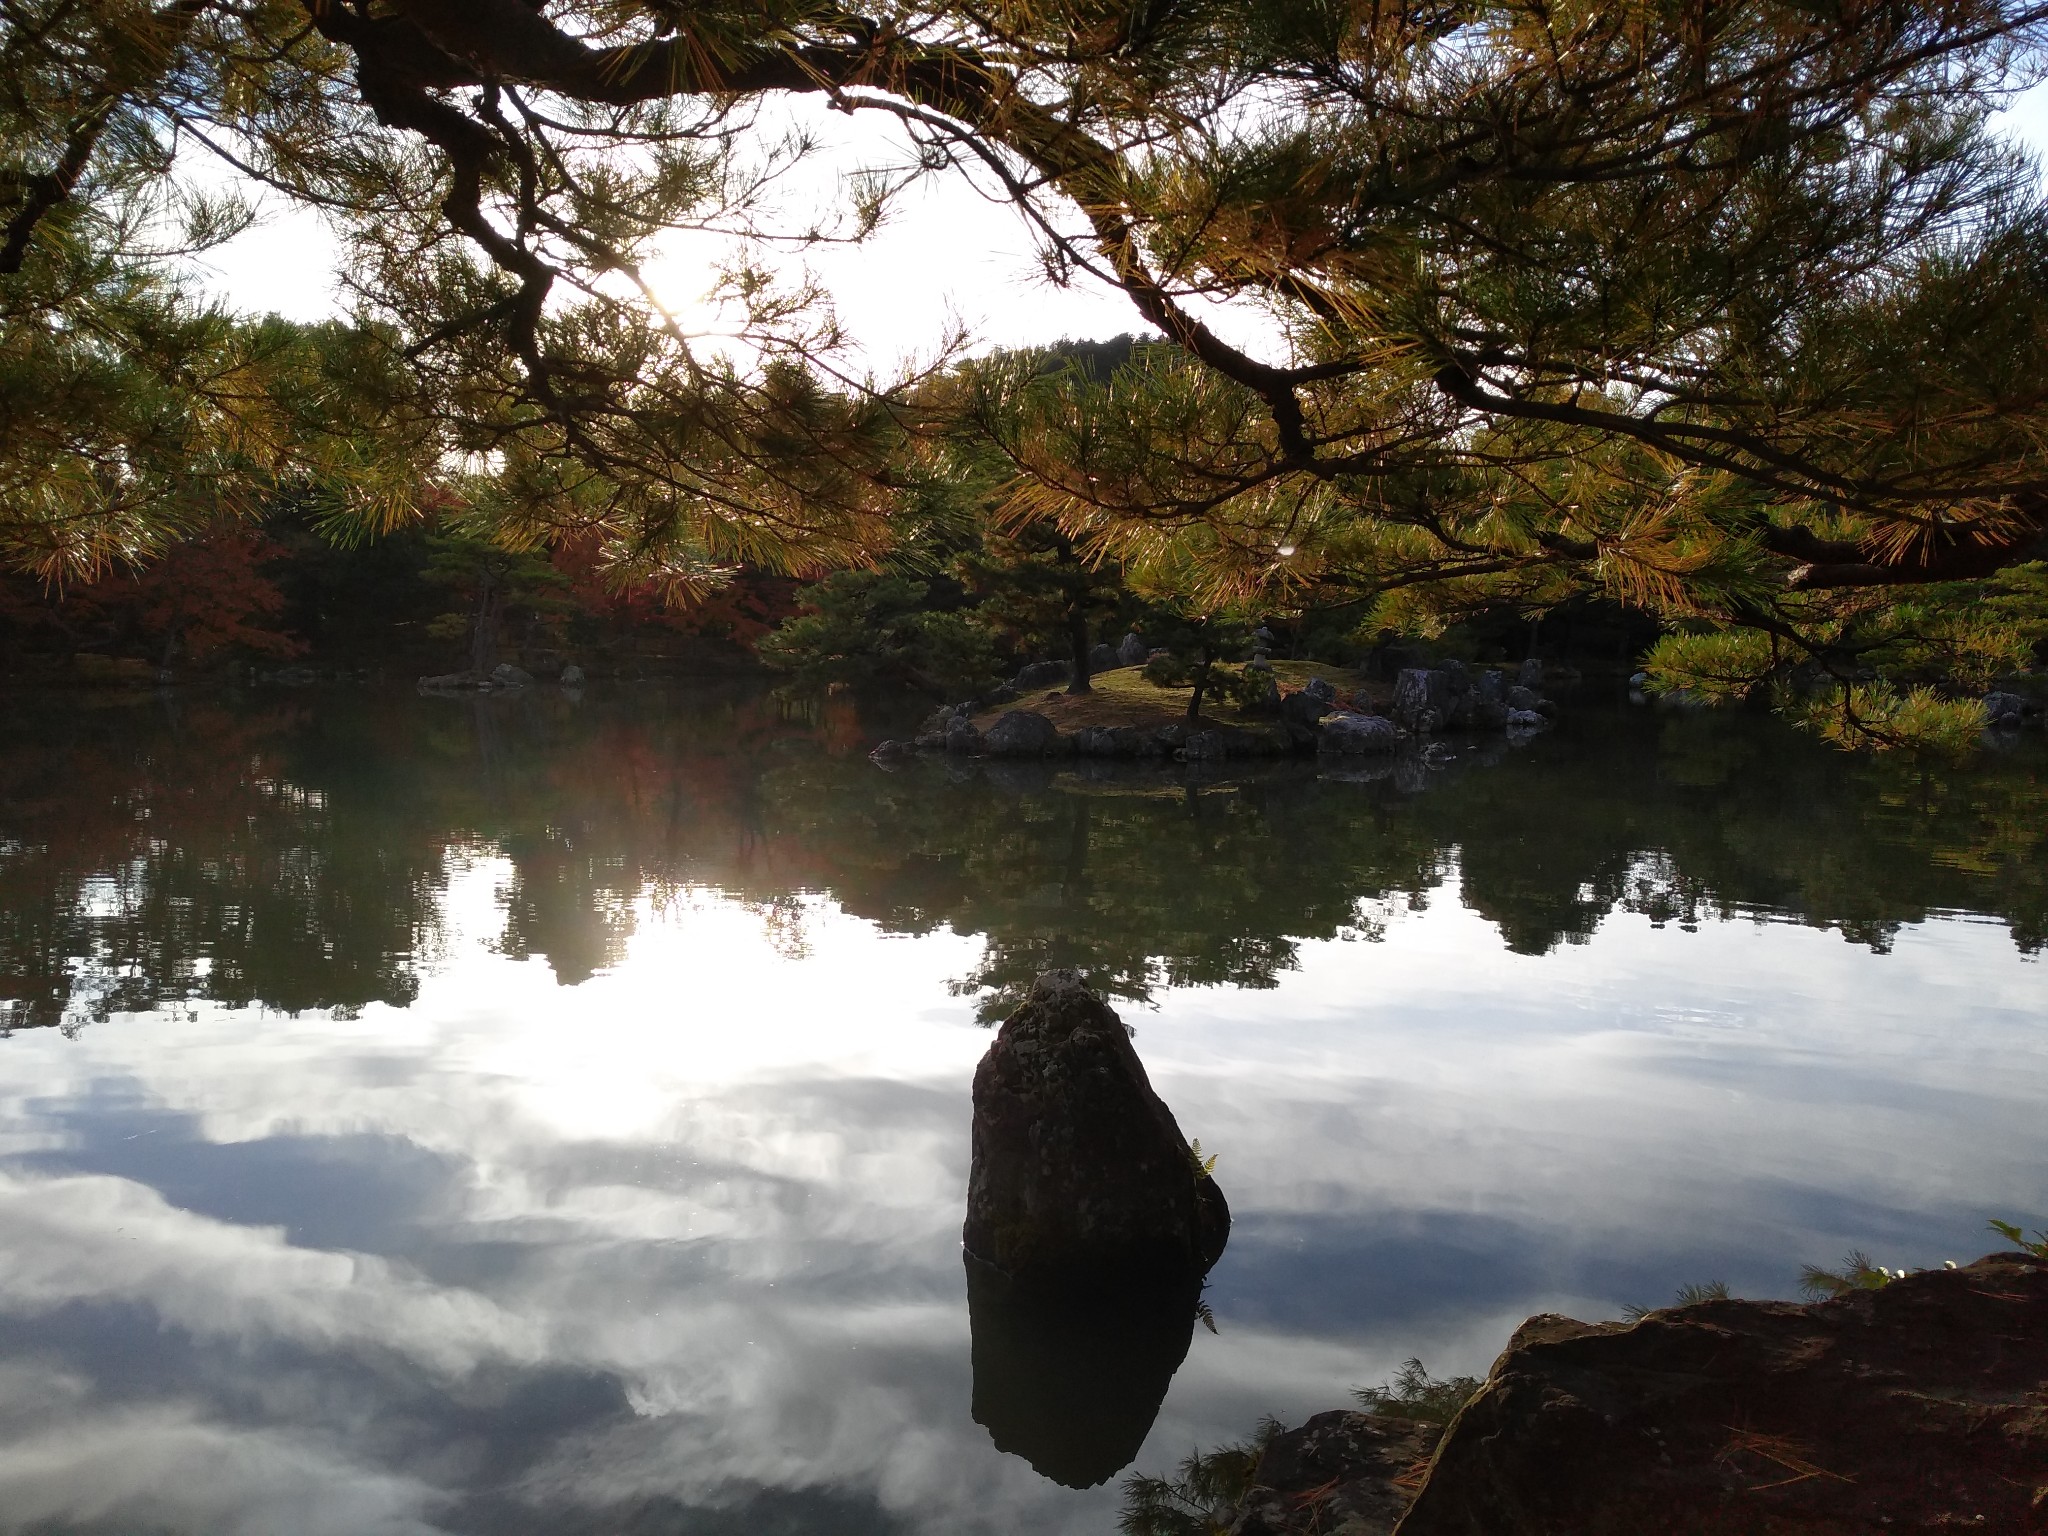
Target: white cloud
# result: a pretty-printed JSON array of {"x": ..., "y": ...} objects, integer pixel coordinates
[
  {"x": 92, "y": 1238},
  {"x": 162, "y": 1468}
]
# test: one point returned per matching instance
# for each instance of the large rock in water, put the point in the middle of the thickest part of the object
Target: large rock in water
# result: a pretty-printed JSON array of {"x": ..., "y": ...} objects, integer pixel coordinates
[
  {"x": 1360, "y": 733},
  {"x": 1920, "y": 1406},
  {"x": 1081, "y": 1177}
]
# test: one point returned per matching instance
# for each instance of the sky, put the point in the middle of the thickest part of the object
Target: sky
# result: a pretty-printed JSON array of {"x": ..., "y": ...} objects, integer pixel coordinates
[{"x": 949, "y": 253}]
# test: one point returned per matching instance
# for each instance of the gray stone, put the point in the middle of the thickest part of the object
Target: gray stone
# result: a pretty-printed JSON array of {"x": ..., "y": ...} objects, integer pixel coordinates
[
  {"x": 1094, "y": 741},
  {"x": 962, "y": 738},
  {"x": 1022, "y": 733},
  {"x": 1135, "y": 741},
  {"x": 505, "y": 675},
  {"x": 1079, "y": 1172},
  {"x": 1116, "y": 741},
  {"x": 1358, "y": 734},
  {"x": 1259, "y": 663},
  {"x": 1522, "y": 696},
  {"x": 1040, "y": 673},
  {"x": 2004, "y": 710},
  {"x": 1491, "y": 686},
  {"x": 1322, "y": 688},
  {"x": 1103, "y": 659},
  {"x": 1422, "y": 699},
  {"x": 1133, "y": 651},
  {"x": 1301, "y": 715},
  {"x": 1206, "y": 746},
  {"x": 1531, "y": 674},
  {"x": 891, "y": 752},
  {"x": 572, "y": 676},
  {"x": 1525, "y": 722}
]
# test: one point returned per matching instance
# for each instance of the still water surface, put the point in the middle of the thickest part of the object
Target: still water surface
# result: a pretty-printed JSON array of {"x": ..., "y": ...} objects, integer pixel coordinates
[{"x": 551, "y": 1115}]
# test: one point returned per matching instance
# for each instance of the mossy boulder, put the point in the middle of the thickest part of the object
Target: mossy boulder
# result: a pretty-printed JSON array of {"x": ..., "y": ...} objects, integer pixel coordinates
[
  {"x": 1918, "y": 1406},
  {"x": 1080, "y": 1172}
]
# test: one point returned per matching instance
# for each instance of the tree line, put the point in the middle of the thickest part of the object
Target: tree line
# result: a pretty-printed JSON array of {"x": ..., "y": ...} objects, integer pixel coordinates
[{"x": 1731, "y": 313}]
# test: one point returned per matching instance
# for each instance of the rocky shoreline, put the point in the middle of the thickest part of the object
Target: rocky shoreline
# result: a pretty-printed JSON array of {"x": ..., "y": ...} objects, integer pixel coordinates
[
  {"x": 1920, "y": 1405},
  {"x": 1316, "y": 718}
]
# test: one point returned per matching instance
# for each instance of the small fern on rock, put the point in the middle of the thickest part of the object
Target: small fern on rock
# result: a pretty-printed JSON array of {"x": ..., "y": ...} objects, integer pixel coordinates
[
  {"x": 1415, "y": 1394},
  {"x": 1202, "y": 1496}
]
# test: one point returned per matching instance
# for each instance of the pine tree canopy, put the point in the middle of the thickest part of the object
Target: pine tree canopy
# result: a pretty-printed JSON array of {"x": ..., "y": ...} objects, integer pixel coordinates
[{"x": 1735, "y": 310}]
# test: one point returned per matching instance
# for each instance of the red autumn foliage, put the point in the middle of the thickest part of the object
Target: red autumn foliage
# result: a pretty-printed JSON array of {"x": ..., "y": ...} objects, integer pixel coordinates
[
  {"x": 194, "y": 602},
  {"x": 742, "y": 610}
]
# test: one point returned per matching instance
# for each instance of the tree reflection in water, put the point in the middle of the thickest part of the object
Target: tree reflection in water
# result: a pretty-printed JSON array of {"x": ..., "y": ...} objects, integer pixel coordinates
[{"x": 296, "y": 855}]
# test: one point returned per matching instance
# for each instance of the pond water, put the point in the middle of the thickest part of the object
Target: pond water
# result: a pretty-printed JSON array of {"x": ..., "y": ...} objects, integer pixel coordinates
[{"x": 551, "y": 1115}]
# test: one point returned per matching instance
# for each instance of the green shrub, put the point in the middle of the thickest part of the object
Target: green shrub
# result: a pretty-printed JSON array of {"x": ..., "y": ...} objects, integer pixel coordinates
[
  {"x": 1246, "y": 687},
  {"x": 1167, "y": 670}
]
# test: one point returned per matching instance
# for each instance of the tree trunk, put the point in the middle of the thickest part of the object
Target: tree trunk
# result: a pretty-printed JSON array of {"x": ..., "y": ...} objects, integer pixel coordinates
[
  {"x": 1201, "y": 684},
  {"x": 1077, "y": 642},
  {"x": 483, "y": 633}
]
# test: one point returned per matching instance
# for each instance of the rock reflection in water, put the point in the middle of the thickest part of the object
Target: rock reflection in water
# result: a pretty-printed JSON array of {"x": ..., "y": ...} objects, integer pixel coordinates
[{"x": 1071, "y": 1380}]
